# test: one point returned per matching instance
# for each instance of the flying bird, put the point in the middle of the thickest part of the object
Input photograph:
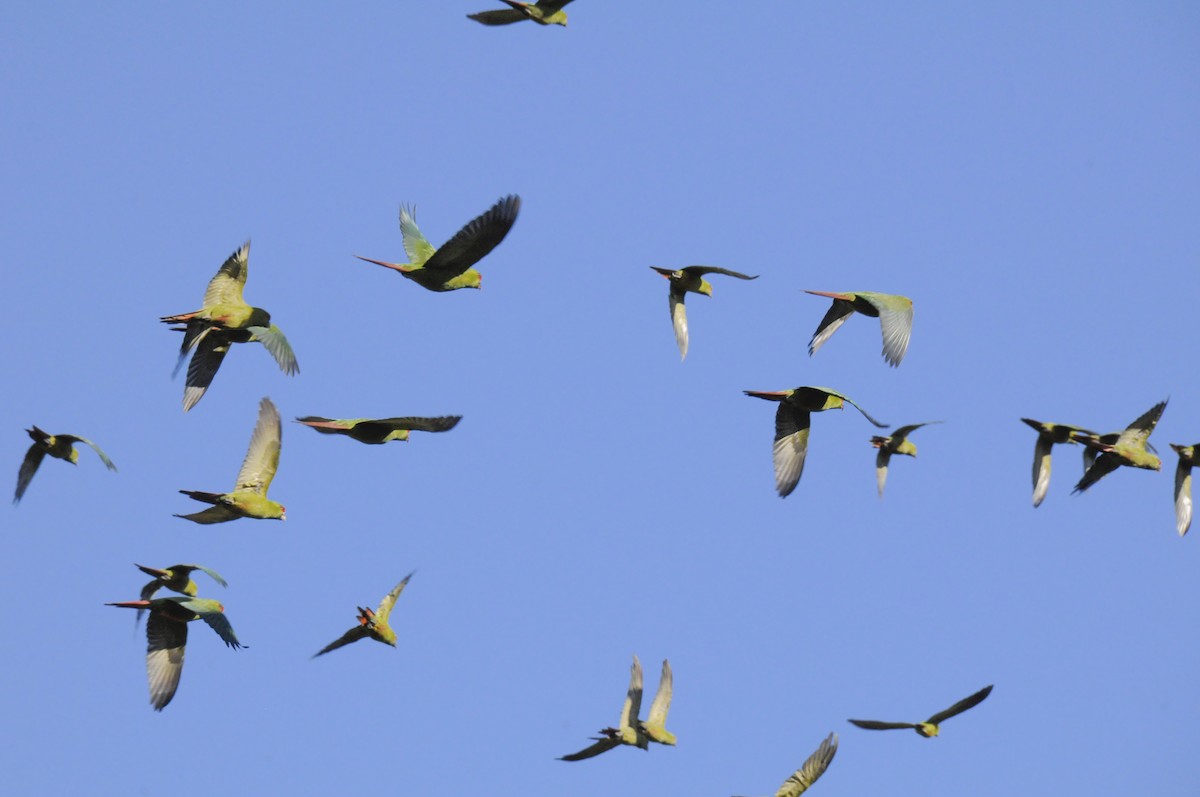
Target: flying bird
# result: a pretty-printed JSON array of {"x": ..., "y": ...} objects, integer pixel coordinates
[
  {"x": 543, "y": 12},
  {"x": 1183, "y": 486},
  {"x": 1130, "y": 448},
  {"x": 225, "y": 319},
  {"x": 166, "y": 635},
  {"x": 59, "y": 446},
  {"x": 450, "y": 267},
  {"x": 813, "y": 768},
  {"x": 249, "y": 496},
  {"x": 1048, "y": 435},
  {"x": 930, "y": 726},
  {"x": 373, "y": 624},
  {"x": 897, "y": 443},
  {"x": 629, "y": 730},
  {"x": 791, "y": 427},
  {"x": 895, "y": 315},
  {"x": 176, "y": 578},
  {"x": 381, "y": 430},
  {"x": 690, "y": 278}
]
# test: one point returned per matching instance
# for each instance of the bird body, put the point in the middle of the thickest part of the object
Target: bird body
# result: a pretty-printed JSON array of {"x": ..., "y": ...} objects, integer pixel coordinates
[
  {"x": 685, "y": 280},
  {"x": 381, "y": 430},
  {"x": 449, "y": 267},
  {"x": 166, "y": 635},
  {"x": 895, "y": 314},
  {"x": 931, "y": 726},
  {"x": 897, "y": 443},
  {"x": 1130, "y": 448},
  {"x": 249, "y": 496},
  {"x": 543, "y": 12},
  {"x": 225, "y": 319},
  {"x": 59, "y": 446},
  {"x": 373, "y": 624},
  {"x": 1183, "y": 486},
  {"x": 813, "y": 768},
  {"x": 792, "y": 421}
]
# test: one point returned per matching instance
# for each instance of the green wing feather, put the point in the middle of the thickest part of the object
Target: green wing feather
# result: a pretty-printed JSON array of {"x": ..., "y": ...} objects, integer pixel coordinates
[
  {"x": 702, "y": 270},
  {"x": 1138, "y": 432},
  {"x": 895, "y": 319},
  {"x": 418, "y": 249},
  {"x": 389, "y": 600},
  {"x": 813, "y": 768},
  {"x": 108, "y": 463},
  {"x": 226, "y": 287},
  {"x": 262, "y": 457},
  {"x": 276, "y": 342}
]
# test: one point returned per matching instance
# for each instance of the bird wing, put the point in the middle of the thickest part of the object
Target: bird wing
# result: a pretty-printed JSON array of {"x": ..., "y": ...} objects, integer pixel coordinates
[
  {"x": 213, "y": 574},
  {"x": 389, "y": 600},
  {"x": 211, "y": 348},
  {"x": 551, "y": 5},
  {"x": 416, "y": 246},
  {"x": 148, "y": 592},
  {"x": 881, "y": 468},
  {"x": 1138, "y": 432},
  {"x": 353, "y": 635},
  {"x": 834, "y": 318},
  {"x": 103, "y": 457},
  {"x": 166, "y": 639},
  {"x": 961, "y": 706},
  {"x": 865, "y": 414},
  {"x": 473, "y": 241},
  {"x": 1183, "y": 496},
  {"x": 218, "y": 622},
  {"x": 895, "y": 319},
  {"x": 29, "y": 466},
  {"x": 633, "y": 697},
  {"x": 662, "y": 698},
  {"x": 276, "y": 342},
  {"x": 214, "y": 514},
  {"x": 679, "y": 319},
  {"x": 1103, "y": 465},
  {"x": 443, "y": 423},
  {"x": 262, "y": 458},
  {"x": 812, "y": 769},
  {"x": 791, "y": 446},
  {"x": 905, "y": 431},
  {"x": 1041, "y": 466},
  {"x": 505, "y": 16},
  {"x": 876, "y": 725},
  {"x": 226, "y": 286},
  {"x": 700, "y": 271},
  {"x": 601, "y": 746}
]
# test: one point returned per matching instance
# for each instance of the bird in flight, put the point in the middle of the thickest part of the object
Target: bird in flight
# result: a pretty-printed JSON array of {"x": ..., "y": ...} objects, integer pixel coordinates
[
  {"x": 683, "y": 280},
  {"x": 373, "y": 624},
  {"x": 1130, "y": 448},
  {"x": 381, "y": 430},
  {"x": 59, "y": 446},
  {"x": 896, "y": 443},
  {"x": 929, "y": 727},
  {"x": 895, "y": 314},
  {"x": 543, "y": 12},
  {"x": 813, "y": 768}
]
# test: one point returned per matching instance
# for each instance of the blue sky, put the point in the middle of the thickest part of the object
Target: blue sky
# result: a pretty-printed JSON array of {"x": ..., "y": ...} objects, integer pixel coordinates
[{"x": 1028, "y": 174}]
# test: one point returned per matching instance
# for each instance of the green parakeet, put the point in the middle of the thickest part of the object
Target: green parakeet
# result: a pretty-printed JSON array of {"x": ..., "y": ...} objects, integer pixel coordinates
[
  {"x": 895, "y": 315},
  {"x": 543, "y": 12},
  {"x": 225, "y": 319},
  {"x": 629, "y": 729},
  {"x": 449, "y": 267},
  {"x": 59, "y": 446},
  {"x": 249, "y": 496},
  {"x": 1130, "y": 448},
  {"x": 373, "y": 624},
  {"x": 897, "y": 443},
  {"x": 166, "y": 634},
  {"x": 690, "y": 278},
  {"x": 791, "y": 427},
  {"x": 811, "y": 769},
  {"x": 929, "y": 727},
  {"x": 381, "y": 430}
]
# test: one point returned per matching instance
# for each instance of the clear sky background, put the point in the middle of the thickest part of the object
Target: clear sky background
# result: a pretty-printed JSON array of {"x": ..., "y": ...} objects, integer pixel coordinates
[{"x": 1028, "y": 173}]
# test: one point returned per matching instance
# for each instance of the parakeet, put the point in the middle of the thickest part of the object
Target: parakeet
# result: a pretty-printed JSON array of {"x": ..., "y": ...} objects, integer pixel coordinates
[
  {"x": 543, "y": 12},
  {"x": 373, "y": 624},
  {"x": 897, "y": 443},
  {"x": 249, "y": 496},
  {"x": 177, "y": 578},
  {"x": 629, "y": 730},
  {"x": 59, "y": 446},
  {"x": 690, "y": 278},
  {"x": 381, "y": 430},
  {"x": 166, "y": 634},
  {"x": 895, "y": 315},
  {"x": 449, "y": 267},
  {"x": 930, "y": 726},
  {"x": 225, "y": 319},
  {"x": 791, "y": 427},
  {"x": 1130, "y": 448},
  {"x": 811, "y": 769}
]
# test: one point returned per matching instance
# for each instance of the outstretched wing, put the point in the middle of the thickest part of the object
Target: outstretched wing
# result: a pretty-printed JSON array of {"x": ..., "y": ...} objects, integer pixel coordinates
[
  {"x": 1101, "y": 466},
  {"x": 601, "y": 746},
  {"x": 214, "y": 514},
  {"x": 895, "y": 319},
  {"x": 850, "y": 401},
  {"x": 633, "y": 697},
  {"x": 480, "y": 236},
  {"x": 1138, "y": 432},
  {"x": 881, "y": 468},
  {"x": 662, "y": 698},
  {"x": 791, "y": 446},
  {"x": 702, "y": 270},
  {"x": 226, "y": 287},
  {"x": 353, "y": 635},
  {"x": 679, "y": 319},
  {"x": 1183, "y": 496},
  {"x": 389, "y": 600},
  {"x": 833, "y": 320},
  {"x": 1041, "y": 467},
  {"x": 166, "y": 640},
  {"x": 103, "y": 457},
  {"x": 213, "y": 574},
  {"x": 416, "y": 247},
  {"x": 442, "y": 423},
  {"x": 961, "y": 706},
  {"x": 211, "y": 348},
  {"x": 505, "y": 16},
  {"x": 812, "y": 769},
  {"x": 262, "y": 458},
  {"x": 273, "y": 339},
  {"x": 876, "y": 725},
  {"x": 29, "y": 466}
]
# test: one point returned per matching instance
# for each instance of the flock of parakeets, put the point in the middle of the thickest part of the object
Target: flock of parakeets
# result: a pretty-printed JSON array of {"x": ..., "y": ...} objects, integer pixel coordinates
[{"x": 225, "y": 319}]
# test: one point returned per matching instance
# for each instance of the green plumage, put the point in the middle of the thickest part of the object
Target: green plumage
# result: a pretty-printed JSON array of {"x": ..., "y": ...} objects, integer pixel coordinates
[
  {"x": 372, "y": 624},
  {"x": 931, "y": 726},
  {"x": 59, "y": 446},
  {"x": 895, "y": 314},
  {"x": 543, "y": 12},
  {"x": 690, "y": 279},
  {"x": 1129, "y": 449},
  {"x": 376, "y": 431}
]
